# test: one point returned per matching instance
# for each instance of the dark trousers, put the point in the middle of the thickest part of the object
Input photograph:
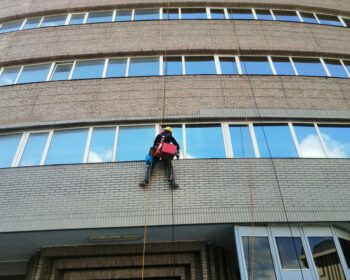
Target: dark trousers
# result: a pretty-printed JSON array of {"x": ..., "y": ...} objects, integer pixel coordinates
[{"x": 168, "y": 166}]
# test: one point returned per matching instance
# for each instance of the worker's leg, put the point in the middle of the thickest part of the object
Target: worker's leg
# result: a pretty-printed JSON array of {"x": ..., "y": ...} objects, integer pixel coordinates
[
  {"x": 170, "y": 174},
  {"x": 149, "y": 172}
]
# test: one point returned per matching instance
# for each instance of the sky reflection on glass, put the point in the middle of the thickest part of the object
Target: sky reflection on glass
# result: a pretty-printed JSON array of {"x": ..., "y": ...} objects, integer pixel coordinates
[
  {"x": 241, "y": 13},
  {"x": 116, "y": 68},
  {"x": 336, "y": 68},
  {"x": 193, "y": 13},
  {"x": 89, "y": 69},
  {"x": 77, "y": 19},
  {"x": 62, "y": 72},
  {"x": 11, "y": 26},
  {"x": 291, "y": 252},
  {"x": 263, "y": 14},
  {"x": 170, "y": 14},
  {"x": 54, "y": 21},
  {"x": 199, "y": 65},
  {"x": 255, "y": 66},
  {"x": 330, "y": 20},
  {"x": 217, "y": 13},
  {"x": 228, "y": 66},
  {"x": 102, "y": 144},
  {"x": 144, "y": 67},
  {"x": 98, "y": 17},
  {"x": 286, "y": 16},
  {"x": 32, "y": 23},
  {"x": 9, "y": 75},
  {"x": 34, "y": 149},
  {"x": 308, "y": 17},
  {"x": 34, "y": 73},
  {"x": 173, "y": 65},
  {"x": 283, "y": 66},
  {"x": 337, "y": 140},
  {"x": 8, "y": 148},
  {"x": 146, "y": 14},
  {"x": 309, "y": 67},
  {"x": 124, "y": 15},
  {"x": 309, "y": 142},
  {"x": 241, "y": 141}
]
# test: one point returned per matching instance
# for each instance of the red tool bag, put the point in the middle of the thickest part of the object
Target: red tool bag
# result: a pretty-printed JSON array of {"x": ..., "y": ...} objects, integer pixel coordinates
[{"x": 166, "y": 151}]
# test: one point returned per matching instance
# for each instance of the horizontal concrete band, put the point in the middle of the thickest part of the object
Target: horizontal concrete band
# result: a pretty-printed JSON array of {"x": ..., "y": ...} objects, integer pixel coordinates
[{"x": 211, "y": 191}]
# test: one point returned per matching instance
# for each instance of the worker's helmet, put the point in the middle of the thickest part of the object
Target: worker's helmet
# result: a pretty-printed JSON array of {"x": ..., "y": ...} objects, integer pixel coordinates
[{"x": 168, "y": 128}]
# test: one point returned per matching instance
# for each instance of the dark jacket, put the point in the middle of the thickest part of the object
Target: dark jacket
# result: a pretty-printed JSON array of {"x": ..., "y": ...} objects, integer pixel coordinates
[{"x": 168, "y": 139}]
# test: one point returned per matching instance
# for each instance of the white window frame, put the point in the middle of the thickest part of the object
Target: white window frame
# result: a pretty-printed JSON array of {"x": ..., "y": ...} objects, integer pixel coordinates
[
  {"x": 68, "y": 19},
  {"x": 20, "y": 148},
  {"x": 295, "y": 139},
  {"x": 105, "y": 66},
  {"x": 23, "y": 24},
  {"x": 272, "y": 66},
  {"x": 18, "y": 75},
  {"x": 273, "y": 15},
  {"x": 53, "y": 66},
  {"x": 342, "y": 21},
  {"x": 114, "y": 15},
  {"x": 293, "y": 66},
  {"x": 87, "y": 145},
  {"x": 323, "y": 144},
  {"x": 344, "y": 66},
  {"x": 316, "y": 17},
  {"x": 217, "y": 65},
  {"x": 254, "y": 14},
  {"x": 325, "y": 67},
  {"x": 299, "y": 16}
]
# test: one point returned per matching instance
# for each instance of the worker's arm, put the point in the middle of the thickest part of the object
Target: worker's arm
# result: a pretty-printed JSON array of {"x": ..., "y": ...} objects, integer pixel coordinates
[
  {"x": 157, "y": 140},
  {"x": 175, "y": 143}
]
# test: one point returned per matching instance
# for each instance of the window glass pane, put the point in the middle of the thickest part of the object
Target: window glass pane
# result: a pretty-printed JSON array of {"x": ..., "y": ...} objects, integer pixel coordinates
[
  {"x": 291, "y": 252},
  {"x": 169, "y": 14},
  {"x": 286, "y": 16},
  {"x": 263, "y": 14},
  {"x": 146, "y": 14},
  {"x": 123, "y": 15},
  {"x": 309, "y": 67},
  {"x": 34, "y": 73},
  {"x": 347, "y": 65},
  {"x": 67, "y": 146},
  {"x": 326, "y": 258},
  {"x": 134, "y": 142},
  {"x": 309, "y": 142},
  {"x": 97, "y": 17},
  {"x": 34, "y": 149},
  {"x": 144, "y": 66},
  {"x": 258, "y": 258},
  {"x": 173, "y": 65},
  {"x": 241, "y": 141},
  {"x": 217, "y": 13},
  {"x": 199, "y": 65},
  {"x": 337, "y": 140},
  {"x": 54, "y": 21},
  {"x": 336, "y": 68},
  {"x": 8, "y": 148},
  {"x": 61, "y": 72},
  {"x": 205, "y": 141},
  {"x": 345, "y": 245},
  {"x": 77, "y": 19},
  {"x": 116, "y": 68},
  {"x": 241, "y": 13},
  {"x": 11, "y": 26},
  {"x": 330, "y": 20},
  {"x": 9, "y": 75},
  {"x": 283, "y": 66},
  {"x": 228, "y": 65},
  {"x": 90, "y": 69},
  {"x": 255, "y": 65},
  {"x": 279, "y": 140},
  {"x": 308, "y": 17},
  {"x": 191, "y": 13},
  {"x": 102, "y": 144},
  {"x": 177, "y": 134},
  {"x": 32, "y": 23}
]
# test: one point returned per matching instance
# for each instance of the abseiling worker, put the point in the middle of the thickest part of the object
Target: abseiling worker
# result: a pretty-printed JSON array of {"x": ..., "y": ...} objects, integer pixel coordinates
[{"x": 156, "y": 156}]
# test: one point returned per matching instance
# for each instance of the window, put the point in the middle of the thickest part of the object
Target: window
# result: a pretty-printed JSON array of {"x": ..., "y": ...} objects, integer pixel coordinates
[
  {"x": 116, "y": 68},
  {"x": 8, "y": 148},
  {"x": 241, "y": 141},
  {"x": 169, "y": 14},
  {"x": 34, "y": 73},
  {"x": 241, "y": 13},
  {"x": 173, "y": 65},
  {"x": 61, "y": 72},
  {"x": 275, "y": 141},
  {"x": 198, "y": 65},
  {"x": 217, "y": 13},
  {"x": 144, "y": 67},
  {"x": 102, "y": 144},
  {"x": 228, "y": 66},
  {"x": 53, "y": 21},
  {"x": 193, "y": 13},
  {"x": 67, "y": 146},
  {"x": 337, "y": 140},
  {"x": 9, "y": 75},
  {"x": 347, "y": 65},
  {"x": 77, "y": 19},
  {"x": 291, "y": 252},
  {"x": 32, "y": 23},
  {"x": 308, "y": 17},
  {"x": 11, "y": 26},
  {"x": 134, "y": 142},
  {"x": 336, "y": 68},
  {"x": 309, "y": 67},
  {"x": 347, "y": 21},
  {"x": 90, "y": 69},
  {"x": 263, "y": 14},
  {"x": 123, "y": 15},
  {"x": 345, "y": 245},
  {"x": 286, "y": 16},
  {"x": 309, "y": 142},
  {"x": 255, "y": 65},
  {"x": 146, "y": 14},
  {"x": 34, "y": 149},
  {"x": 329, "y": 20},
  {"x": 204, "y": 141},
  {"x": 283, "y": 66},
  {"x": 98, "y": 17}
]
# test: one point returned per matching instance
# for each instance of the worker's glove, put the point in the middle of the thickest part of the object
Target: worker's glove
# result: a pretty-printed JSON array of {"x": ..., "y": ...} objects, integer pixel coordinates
[{"x": 177, "y": 155}]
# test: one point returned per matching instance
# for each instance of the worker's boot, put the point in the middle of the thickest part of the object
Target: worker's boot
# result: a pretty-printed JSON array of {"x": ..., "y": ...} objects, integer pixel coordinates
[
  {"x": 143, "y": 184},
  {"x": 173, "y": 185}
]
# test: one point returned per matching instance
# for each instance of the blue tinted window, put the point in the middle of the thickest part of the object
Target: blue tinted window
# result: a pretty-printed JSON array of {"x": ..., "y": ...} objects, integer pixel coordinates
[
  {"x": 217, "y": 13},
  {"x": 98, "y": 17},
  {"x": 53, "y": 21},
  {"x": 9, "y": 75},
  {"x": 347, "y": 65},
  {"x": 329, "y": 20},
  {"x": 337, "y": 140},
  {"x": 241, "y": 141},
  {"x": 204, "y": 141},
  {"x": 228, "y": 65},
  {"x": 169, "y": 14},
  {"x": 90, "y": 69},
  {"x": 309, "y": 142},
  {"x": 34, "y": 149},
  {"x": 61, "y": 72},
  {"x": 102, "y": 144},
  {"x": 116, "y": 68},
  {"x": 255, "y": 66},
  {"x": 177, "y": 134},
  {"x": 173, "y": 65},
  {"x": 291, "y": 252},
  {"x": 146, "y": 14},
  {"x": 199, "y": 65},
  {"x": 8, "y": 148},
  {"x": 308, "y": 17},
  {"x": 309, "y": 67},
  {"x": 34, "y": 73},
  {"x": 32, "y": 23},
  {"x": 67, "y": 146},
  {"x": 263, "y": 14},
  {"x": 124, "y": 15},
  {"x": 11, "y": 26},
  {"x": 336, "y": 68},
  {"x": 241, "y": 14},
  {"x": 283, "y": 66},
  {"x": 278, "y": 138},
  {"x": 77, "y": 19},
  {"x": 134, "y": 142},
  {"x": 193, "y": 13},
  {"x": 286, "y": 16},
  {"x": 144, "y": 66}
]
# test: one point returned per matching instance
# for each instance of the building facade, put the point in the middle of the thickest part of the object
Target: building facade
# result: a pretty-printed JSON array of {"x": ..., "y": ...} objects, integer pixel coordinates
[{"x": 258, "y": 95}]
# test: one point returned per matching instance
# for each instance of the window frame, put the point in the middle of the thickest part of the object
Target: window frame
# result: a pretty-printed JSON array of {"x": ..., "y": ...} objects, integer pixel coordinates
[{"x": 30, "y": 65}]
